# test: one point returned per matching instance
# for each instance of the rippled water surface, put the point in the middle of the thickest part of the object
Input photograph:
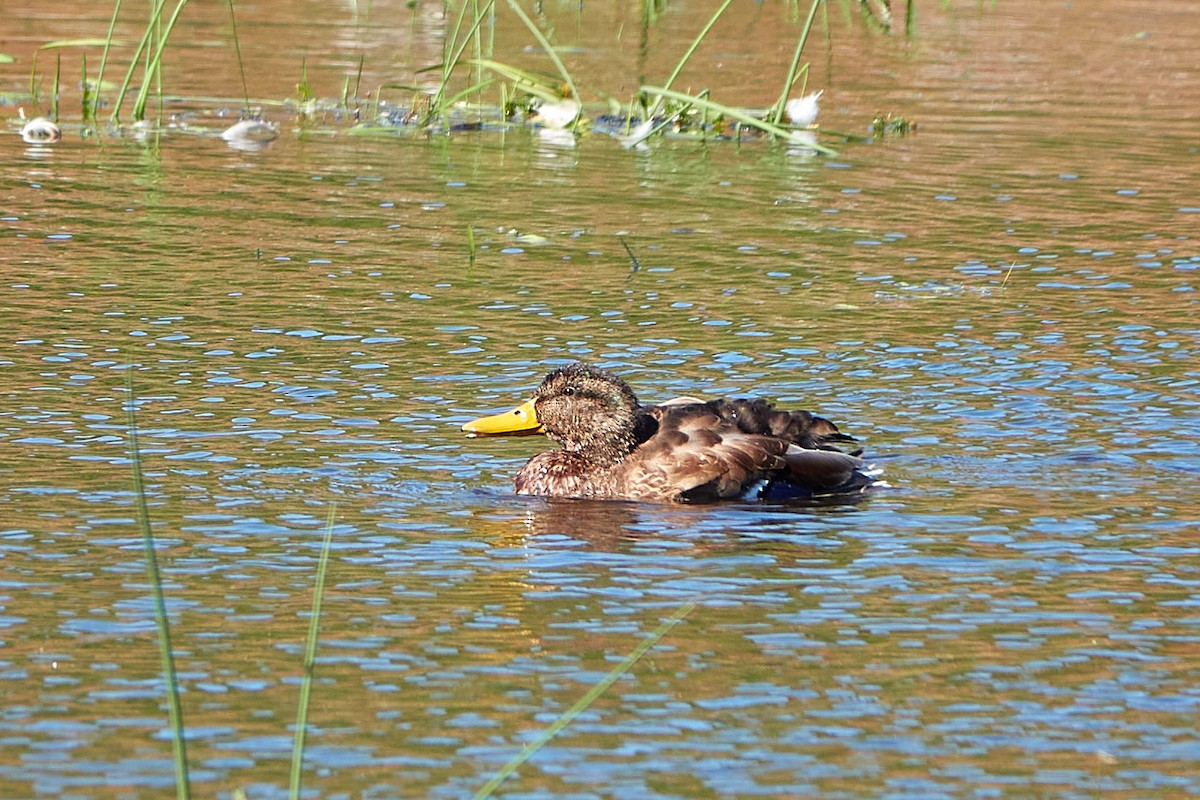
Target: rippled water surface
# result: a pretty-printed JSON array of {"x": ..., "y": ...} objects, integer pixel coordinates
[{"x": 1002, "y": 306}]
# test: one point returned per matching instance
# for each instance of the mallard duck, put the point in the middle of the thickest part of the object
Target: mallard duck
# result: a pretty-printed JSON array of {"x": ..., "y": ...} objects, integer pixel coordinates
[{"x": 683, "y": 450}]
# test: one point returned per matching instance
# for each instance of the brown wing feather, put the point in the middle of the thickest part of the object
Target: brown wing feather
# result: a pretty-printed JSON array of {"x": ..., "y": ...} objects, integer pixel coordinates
[
  {"x": 696, "y": 454},
  {"x": 799, "y": 427}
]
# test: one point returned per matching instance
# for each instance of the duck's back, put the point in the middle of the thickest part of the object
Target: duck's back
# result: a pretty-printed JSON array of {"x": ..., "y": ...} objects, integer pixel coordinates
[
  {"x": 801, "y": 428},
  {"x": 723, "y": 449}
]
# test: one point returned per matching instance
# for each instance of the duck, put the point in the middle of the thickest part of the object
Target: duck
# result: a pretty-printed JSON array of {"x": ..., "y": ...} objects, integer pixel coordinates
[{"x": 685, "y": 450}]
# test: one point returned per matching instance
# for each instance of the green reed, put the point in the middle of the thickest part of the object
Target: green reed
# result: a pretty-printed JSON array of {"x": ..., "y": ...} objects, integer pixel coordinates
[
  {"x": 739, "y": 115},
  {"x": 469, "y": 33},
  {"x": 581, "y": 705},
  {"x": 55, "y": 86},
  {"x": 151, "y": 47},
  {"x": 310, "y": 652},
  {"x": 165, "y": 651},
  {"x": 468, "y": 45},
  {"x": 794, "y": 69},
  {"x": 687, "y": 54},
  {"x": 108, "y": 43},
  {"x": 237, "y": 49},
  {"x": 56, "y": 46},
  {"x": 545, "y": 43},
  {"x": 453, "y": 48}
]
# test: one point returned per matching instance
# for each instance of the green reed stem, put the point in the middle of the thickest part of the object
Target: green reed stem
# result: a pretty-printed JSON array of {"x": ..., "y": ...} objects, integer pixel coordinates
[
  {"x": 478, "y": 41},
  {"x": 237, "y": 50},
  {"x": 1011, "y": 267},
  {"x": 545, "y": 43},
  {"x": 142, "y": 45},
  {"x": 54, "y": 89},
  {"x": 154, "y": 68},
  {"x": 741, "y": 116},
  {"x": 86, "y": 99},
  {"x": 582, "y": 704},
  {"x": 165, "y": 651},
  {"x": 777, "y": 111},
  {"x": 525, "y": 81},
  {"x": 454, "y": 53},
  {"x": 310, "y": 652},
  {"x": 108, "y": 40},
  {"x": 688, "y": 54}
]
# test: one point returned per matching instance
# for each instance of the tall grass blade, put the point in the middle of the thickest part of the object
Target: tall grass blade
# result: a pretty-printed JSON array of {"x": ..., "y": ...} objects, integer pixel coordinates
[
  {"x": 310, "y": 652},
  {"x": 237, "y": 50},
  {"x": 86, "y": 100},
  {"x": 454, "y": 53},
  {"x": 582, "y": 704},
  {"x": 154, "y": 68},
  {"x": 545, "y": 43},
  {"x": 358, "y": 77},
  {"x": 741, "y": 116},
  {"x": 165, "y": 651},
  {"x": 54, "y": 89},
  {"x": 108, "y": 43},
  {"x": 528, "y": 82},
  {"x": 1007, "y": 274},
  {"x": 303, "y": 90},
  {"x": 142, "y": 45},
  {"x": 58, "y": 44},
  {"x": 688, "y": 53},
  {"x": 478, "y": 41},
  {"x": 777, "y": 111}
]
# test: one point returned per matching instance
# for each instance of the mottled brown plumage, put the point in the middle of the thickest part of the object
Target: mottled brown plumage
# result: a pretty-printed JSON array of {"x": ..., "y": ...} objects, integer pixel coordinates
[{"x": 684, "y": 450}]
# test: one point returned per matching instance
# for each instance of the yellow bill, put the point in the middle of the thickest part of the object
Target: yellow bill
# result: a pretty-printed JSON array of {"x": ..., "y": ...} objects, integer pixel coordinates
[{"x": 520, "y": 421}]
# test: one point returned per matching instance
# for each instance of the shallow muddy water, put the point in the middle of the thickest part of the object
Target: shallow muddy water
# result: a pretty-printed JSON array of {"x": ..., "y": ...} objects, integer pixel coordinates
[{"x": 1002, "y": 306}]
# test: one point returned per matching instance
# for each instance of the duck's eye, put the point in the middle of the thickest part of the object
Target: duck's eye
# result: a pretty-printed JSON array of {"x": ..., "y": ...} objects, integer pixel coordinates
[{"x": 570, "y": 390}]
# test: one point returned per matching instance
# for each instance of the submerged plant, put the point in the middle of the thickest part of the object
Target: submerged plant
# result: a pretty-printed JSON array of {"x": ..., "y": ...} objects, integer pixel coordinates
[
  {"x": 582, "y": 704},
  {"x": 165, "y": 651},
  {"x": 310, "y": 652}
]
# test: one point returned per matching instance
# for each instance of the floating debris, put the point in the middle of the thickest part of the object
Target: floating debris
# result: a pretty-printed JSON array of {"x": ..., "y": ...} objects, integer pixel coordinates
[
  {"x": 802, "y": 112},
  {"x": 40, "y": 131},
  {"x": 637, "y": 135},
  {"x": 557, "y": 115},
  {"x": 251, "y": 132}
]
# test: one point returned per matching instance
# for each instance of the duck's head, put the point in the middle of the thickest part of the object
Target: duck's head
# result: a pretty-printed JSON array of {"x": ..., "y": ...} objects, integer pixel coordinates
[{"x": 580, "y": 407}]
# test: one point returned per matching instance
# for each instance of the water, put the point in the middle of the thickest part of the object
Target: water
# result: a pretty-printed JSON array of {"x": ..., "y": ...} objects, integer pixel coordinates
[{"x": 1001, "y": 306}]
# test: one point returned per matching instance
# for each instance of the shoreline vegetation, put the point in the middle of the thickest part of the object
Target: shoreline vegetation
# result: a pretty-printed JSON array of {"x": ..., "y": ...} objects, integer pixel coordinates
[{"x": 473, "y": 90}]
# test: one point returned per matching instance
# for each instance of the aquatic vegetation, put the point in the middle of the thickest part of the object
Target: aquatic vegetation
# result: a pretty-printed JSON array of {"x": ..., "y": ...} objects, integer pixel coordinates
[
  {"x": 889, "y": 125},
  {"x": 165, "y": 650},
  {"x": 165, "y": 647},
  {"x": 310, "y": 653},
  {"x": 473, "y": 87},
  {"x": 581, "y": 705}
]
